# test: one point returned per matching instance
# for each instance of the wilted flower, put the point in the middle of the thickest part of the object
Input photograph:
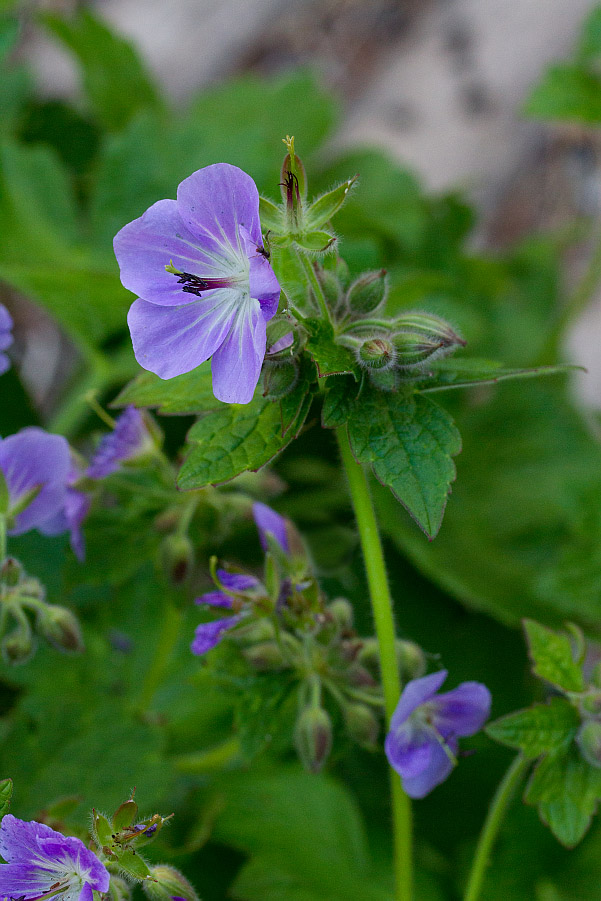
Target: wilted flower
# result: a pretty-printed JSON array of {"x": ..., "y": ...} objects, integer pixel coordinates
[
  {"x": 40, "y": 861},
  {"x": 6, "y": 337},
  {"x": 35, "y": 465},
  {"x": 129, "y": 439},
  {"x": 422, "y": 743},
  {"x": 204, "y": 287}
]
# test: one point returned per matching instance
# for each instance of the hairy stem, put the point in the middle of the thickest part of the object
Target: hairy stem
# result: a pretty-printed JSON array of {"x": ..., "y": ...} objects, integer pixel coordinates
[
  {"x": 496, "y": 812},
  {"x": 384, "y": 621},
  {"x": 315, "y": 286}
]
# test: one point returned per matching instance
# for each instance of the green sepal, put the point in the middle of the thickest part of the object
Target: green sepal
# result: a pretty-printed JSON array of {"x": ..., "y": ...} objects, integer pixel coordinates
[
  {"x": 329, "y": 357},
  {"x": 103, "y": 833},
  {"x": 271, "y": 216},
  {"x": 538, "y": 729},
  {"x": 6, "y": 793},
  {"x": 125, "y": 815},
  {"x": 321, "y": 210},
  {"x": 566, "y": 790},
  {"x": 409, "y": 441},
  {"x": 132, "y": 864},
  {"x": 552, "y": 656},
  {"x": 191, "y": 392},
  {"x": 315, "y": 241}
]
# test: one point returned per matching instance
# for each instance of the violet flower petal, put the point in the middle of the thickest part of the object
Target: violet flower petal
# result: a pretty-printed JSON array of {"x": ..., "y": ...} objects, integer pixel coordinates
[
  {"x": 208, "y": 635},
  {"x": 237, "y": 581},
  {"x": 416, "y": 693},
  {"x": 462, "y": 711},
  {"x": 409, "y": 749},
  {"x": 128, "y": 439},
  {"x": 33, "y": 459},
  {"x": 215, "y": 599},
  {"x": 174, "y": 340},
  {"x": 236, "y": 364},
  {"x": 269, "y": 522},
  {"x": 439, "y": 767}
]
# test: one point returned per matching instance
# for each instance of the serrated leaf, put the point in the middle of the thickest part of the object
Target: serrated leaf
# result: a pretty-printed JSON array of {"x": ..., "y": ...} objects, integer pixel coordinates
[
  {"x": 567, "y": 92},
  {"x": 321, "y": 210},
  {"x": 340, "y": 396},
  {"x": 115, "y": 79},
  {"x": 6, "y": 793},
  {"x": 463, "y": 373},
  {"x": 329, "y": 357},
  {"x": 566, "y": 790},
  {"x": 235, "y": 439},
  {"x": 538, "y": 729},
  {"x": 552, "y": 656},
  {"x": 409, "y": 441},
  {"x": 191, "y": 392}
]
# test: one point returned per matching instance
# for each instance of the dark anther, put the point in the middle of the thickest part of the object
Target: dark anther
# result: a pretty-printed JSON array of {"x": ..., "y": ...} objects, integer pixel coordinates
[{"x": 193, "y": 284}]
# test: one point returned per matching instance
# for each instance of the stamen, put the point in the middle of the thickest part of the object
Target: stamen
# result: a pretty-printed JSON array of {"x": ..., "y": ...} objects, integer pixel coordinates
[{"x": 194, "y": 284}]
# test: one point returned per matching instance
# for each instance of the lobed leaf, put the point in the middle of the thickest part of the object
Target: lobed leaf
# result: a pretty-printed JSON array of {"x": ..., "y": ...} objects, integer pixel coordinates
[
  {"x": 191, "y": 392},
  {"x": 329, "y": 357},
  {"x": 552, "y": 656},
  {"x": 538, "y": 729}
]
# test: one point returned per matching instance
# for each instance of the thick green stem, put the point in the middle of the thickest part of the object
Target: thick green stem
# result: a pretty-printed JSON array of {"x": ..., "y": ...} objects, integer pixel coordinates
[
  {"x": 165, "y": 645},
  {"x": 384, "y": 621},
  {"x": 496, "y": 812},
  {"x": 315, "y": 286}
]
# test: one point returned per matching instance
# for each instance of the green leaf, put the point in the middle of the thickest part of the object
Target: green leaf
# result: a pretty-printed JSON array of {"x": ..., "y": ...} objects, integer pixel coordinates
[
  {"x": 321, "y": 210},
  {"x": 191, "y": 392},
  {"x": 340, "y": 397},
  {"x": 329, "y": 357},
  {"x": 6, "y": 792},
  {"x": 462, "y": 373},
  {"x": 566, "y": 790},
  {"x": 409, "y": 442},
  {"x": 292, "y": 404},
  {"x": 552, "y": 656},
  {"x": 538, "y": 729},
  {"x": 305, "y": 839},
  {"x": 115, "y": 79},
  {"x": 235, "y": 439},
  {"x": 567, "y": 92}
]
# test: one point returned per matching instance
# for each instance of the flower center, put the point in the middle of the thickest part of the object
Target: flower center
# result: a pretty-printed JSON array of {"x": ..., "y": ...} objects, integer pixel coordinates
[{"x": 194, "y": 284}]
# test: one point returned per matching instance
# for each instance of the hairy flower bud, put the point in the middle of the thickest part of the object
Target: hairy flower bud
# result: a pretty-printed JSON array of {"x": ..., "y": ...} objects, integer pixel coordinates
[
  {"x": 313, "y": 737},
  {"x": 411, "y": 660},
  {"x": 367, "y": 293},
  {"x": 342, "y": 612},
  {"x": 377, "y": 353},
  {"x": 119, "y": 889},
  {"x": 177, "y": 557},
  {"x": 421, "y": 337},
  {"x": 362, "y": 724},
  {"x": 60, "y": 628},
  {"x": 589, "y": 742},
  {"x": 11, "y": 572},
  {"x": 168, "y": 883},
  {"x": 18, "y": 646},
  {"x": 264, "y": 656},
  {"x": 279, "y": 379},
  {"x": 330, "y": 286}
]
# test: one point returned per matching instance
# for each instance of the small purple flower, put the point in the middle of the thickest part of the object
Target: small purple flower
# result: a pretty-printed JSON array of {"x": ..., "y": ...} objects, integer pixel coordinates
[
  {"x": 6, "y": 337},
  {"x": 204, "y": 289},
  {"x": 129, "y": 439},
  {"x": 269, "y": 522},
  {"x": 72, "y": 516},
  {"x": 30, "y": 461},
  {"x": 422, "y": 743},
  {"x": 208, "y": 635},
  {"x": 40, "y": 861}
]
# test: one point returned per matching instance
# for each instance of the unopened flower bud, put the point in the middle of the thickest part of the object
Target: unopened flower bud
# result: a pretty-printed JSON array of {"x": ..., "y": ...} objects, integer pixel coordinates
[
  {"x": 60, "y": 628},
  {"x": 177, "y": 557},
  {"x": 11, "y": 572},
  {"x": 18, "y": 646},
  {"x": 367, "y": 293},
  {"x": 342, "y": 612},
  {"x": 264, "y": 656},
  {"x": 377, "y": 353},
  {"x": 589, "y": 742},
  {"x": 384, "y": 379},
  {"x": 168, "y": 883},
  {"x": 313, "y": 737},
  {"x": 362, "y": 724},
  {"x": 119, "y": 889},
  {"x": 330, "y": 286},
  {"x": 256, "y": 631},
  {"x": 279, "y": 379},
  {"x": 411, "y": 660},
  {"x": 422, "y": 337}
]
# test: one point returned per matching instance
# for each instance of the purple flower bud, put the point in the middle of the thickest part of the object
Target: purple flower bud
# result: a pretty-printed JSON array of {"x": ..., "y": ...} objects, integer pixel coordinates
[
  {"x": 204, "y": 288},
  {"x": 129, "y": 439},
  {"x": 6, "y": 337},
  {"x": 40, "y": 861},
  {"x": 422, "y": 743},
  {"x": 269, "y": 522}
]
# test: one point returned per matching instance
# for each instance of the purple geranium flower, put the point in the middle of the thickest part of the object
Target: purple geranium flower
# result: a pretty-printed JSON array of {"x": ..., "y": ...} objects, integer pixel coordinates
[
  {"x": 422, "y": 743},
  {"x": 204, "y": 287},
  {"x": 208, "y": 635},
  {"x": 6, "y": 337},
  {"x": 40, "y": 861},
  {"x": 129, "y": 439},
  {"x": 30, "y": 461},
  {"x": 269, "y": 522},
  {"x": 73, "y": 513}
]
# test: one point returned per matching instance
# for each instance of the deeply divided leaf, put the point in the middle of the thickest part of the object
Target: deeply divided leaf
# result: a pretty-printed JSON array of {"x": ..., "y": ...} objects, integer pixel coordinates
[
  {"x": 191, "y": 392},
  {"x": 552, "y": 656},
  {"x": 539, "y": 729}
]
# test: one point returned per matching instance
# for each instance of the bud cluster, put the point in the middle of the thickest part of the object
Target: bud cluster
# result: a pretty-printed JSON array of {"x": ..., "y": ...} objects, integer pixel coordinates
[
  {"x": 283, "y": 622},
  {"x": 25, "y": 615}
]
